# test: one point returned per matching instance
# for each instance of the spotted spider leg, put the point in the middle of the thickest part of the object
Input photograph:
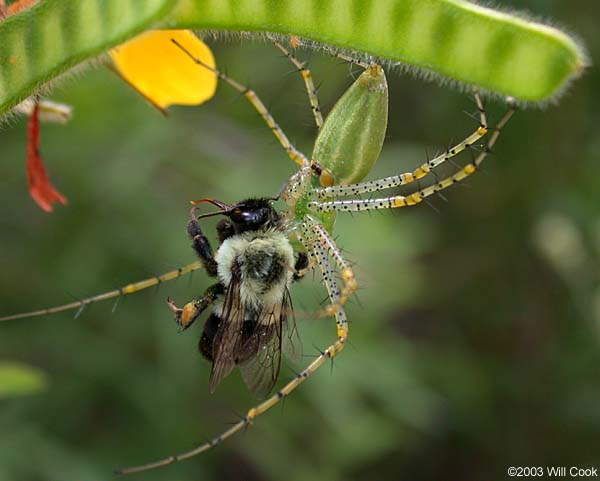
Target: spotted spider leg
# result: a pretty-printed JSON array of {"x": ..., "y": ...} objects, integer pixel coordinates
[
  {"x": 417, "y": 174},
  {"x": 396, "y": 201},
  {"x": 324, "y": 239}
]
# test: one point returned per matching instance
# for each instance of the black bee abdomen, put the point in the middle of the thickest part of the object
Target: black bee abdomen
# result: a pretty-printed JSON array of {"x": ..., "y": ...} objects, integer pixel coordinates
[{"x": 206, "y": 344}]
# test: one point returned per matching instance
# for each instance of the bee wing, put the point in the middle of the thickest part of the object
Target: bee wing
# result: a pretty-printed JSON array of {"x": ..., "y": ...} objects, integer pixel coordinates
[
  {"x": 291, "y": 343},
  {"x": 228, "y": 339},
  {"x": 261, "y": 368}
]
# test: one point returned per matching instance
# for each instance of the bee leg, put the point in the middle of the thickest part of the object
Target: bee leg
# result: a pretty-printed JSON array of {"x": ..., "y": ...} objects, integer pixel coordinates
[
  {"x": 224, "y": 230},
  {"x": 301, "y": 267},
  {"x": 185, "y": 316},
  {"x": 201, "y": 245}
]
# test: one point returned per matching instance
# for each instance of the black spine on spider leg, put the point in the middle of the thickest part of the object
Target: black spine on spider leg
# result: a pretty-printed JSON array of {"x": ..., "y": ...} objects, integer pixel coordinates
[{"x": 202, "y": 247}]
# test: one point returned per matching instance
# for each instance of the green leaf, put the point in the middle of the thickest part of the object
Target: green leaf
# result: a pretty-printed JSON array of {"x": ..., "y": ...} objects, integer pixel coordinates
[
  {"x": 501, "y": 53},
  {"x": 18, "y": 379}
]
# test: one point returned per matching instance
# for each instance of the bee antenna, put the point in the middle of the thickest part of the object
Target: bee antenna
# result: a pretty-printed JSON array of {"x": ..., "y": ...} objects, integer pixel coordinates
[
  {"x": 203, "y": 216},
  {"x": 218, "y": 203},
  {"x": 224, "y": 208}
]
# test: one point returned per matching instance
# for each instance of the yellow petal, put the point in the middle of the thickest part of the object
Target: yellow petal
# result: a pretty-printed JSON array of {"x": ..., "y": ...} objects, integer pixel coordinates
[{"x": 162, "y": 72}]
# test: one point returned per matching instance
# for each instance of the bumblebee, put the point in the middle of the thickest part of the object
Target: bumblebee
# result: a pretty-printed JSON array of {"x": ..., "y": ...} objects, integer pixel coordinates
[{"x": 251, "y": 320}]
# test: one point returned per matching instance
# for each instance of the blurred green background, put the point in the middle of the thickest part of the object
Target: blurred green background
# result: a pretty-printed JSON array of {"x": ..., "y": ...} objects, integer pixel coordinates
[{"x": 475, "y": 337}]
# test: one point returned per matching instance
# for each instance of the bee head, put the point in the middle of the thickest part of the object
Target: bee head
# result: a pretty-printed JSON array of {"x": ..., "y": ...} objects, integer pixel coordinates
[
  {"x": 252, "y": 214},
  {"x": 247, "y": 215}
]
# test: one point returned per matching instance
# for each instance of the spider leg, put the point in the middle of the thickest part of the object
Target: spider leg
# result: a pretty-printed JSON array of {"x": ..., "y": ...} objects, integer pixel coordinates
[
  {"x": 308, "y": 82},
  {"x": 324, "y": 239},
  {"x": 317, "y": 252},
  {"x": 396, "y": 201},
  {"x": 347, "y": 58},
  {"x": 418, "y": 173},
  {"x": 258, "y": 105},
  {"x": 122, "y": 291}
]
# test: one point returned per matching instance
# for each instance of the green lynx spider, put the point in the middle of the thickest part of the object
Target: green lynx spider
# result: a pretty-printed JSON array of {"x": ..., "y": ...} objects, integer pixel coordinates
[{"x": 348, "y": 144}]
